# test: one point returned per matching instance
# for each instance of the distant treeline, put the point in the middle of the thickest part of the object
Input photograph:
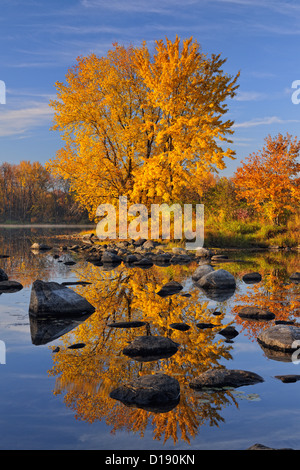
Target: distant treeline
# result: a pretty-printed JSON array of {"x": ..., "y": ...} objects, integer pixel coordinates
[{"x": 29, "y": 193}]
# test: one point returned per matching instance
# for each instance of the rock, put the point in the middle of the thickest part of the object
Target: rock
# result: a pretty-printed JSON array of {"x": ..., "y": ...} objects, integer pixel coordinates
[
  {"x": 219, "y": 257},
  {"x": 54, "y": 298},
  {"x": 203, "y": 326},
  {"x": 161, "y": 259},
  {"x": 131, "y": 259},
  {"x": 144, "y": 262},
  {"x": 280, "y": 337},
  {"x": 148, "y": 245},
  {"x": 40, "y": 246},
  {"x": 127, "y": 324},
  {"x": 69, "y": 263},
  {"x": 256, "y": 313},
  {"x": 139, "y": 242},
  {"x": 3, "y": 275},
  {"x": 110, "y": 258},
  {"x": 295, "y": 277},
  {"x": 252, "y": 278},
  {"x": 10, "y": 286},
  {"x": 291, "y": 378},
  {"x": 225, "y": 378},
  {"x": 148, "y": 348},
  {"x": 203, "y": 253},
  {"x": 180, "y": 326},
  {"x": 170, "y": 288},
  {"x": 219, "y": 279},
  {"x": 77, "y": 346},
  {"x": 156, "y": 392},
  {"x": 201, "y": 271},
  {"x": 180, "y": 259},
  {"x": 229, "y": 332},
  {"x": 179, "y": 251}
]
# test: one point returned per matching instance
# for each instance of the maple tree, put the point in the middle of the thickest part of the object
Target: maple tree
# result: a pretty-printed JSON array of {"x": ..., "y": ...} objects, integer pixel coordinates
[
  {"x": 140, "y": 125},
  {"x": 269, "y": 180}
]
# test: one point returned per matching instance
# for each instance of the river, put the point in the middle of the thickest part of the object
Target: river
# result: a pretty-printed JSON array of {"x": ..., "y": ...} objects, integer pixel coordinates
[{"x": 53, "y": 397}]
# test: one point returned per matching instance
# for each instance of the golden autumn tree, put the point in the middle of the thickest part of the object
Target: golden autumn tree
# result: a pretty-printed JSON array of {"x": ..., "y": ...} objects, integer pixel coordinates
[
  {"x": 269, "y": 181},
  {"x": 140, "y": 125}
]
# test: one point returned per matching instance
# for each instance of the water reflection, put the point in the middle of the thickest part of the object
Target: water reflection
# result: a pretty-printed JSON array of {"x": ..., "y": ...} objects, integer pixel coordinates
[{"x": 128, "y": 306}]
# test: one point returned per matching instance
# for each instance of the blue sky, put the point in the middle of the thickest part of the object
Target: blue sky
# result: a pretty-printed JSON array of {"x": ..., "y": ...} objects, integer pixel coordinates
[{"x": 40, "y": 40}]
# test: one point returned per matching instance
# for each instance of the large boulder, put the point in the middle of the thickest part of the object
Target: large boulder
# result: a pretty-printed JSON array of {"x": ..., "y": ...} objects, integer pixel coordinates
[
  {"x": 280, "y": 337},
  {"x": 219, "y": 279},
  {"x": 156, "y": 392},
  {"x": 149, "y": 348},
  {"x": 225, "y": 378},
  {"x": 54, "y": 298}
]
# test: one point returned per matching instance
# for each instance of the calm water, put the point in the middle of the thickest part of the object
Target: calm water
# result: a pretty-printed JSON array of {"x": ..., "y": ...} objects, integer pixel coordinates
[{"x": 60, "y": 400}]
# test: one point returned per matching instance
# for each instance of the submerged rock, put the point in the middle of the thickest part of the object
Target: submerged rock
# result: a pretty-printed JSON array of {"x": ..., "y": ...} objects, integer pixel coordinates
[
  {"x": 252, "y": 278},
  {"x": 256, "y": 313},
  {"x": 170, "y": 288},
  {"x": 229, "y": 332},
  {"x": 127, "y": 324},
  {"x": 280, "y": 337},
  {"x": 225, "y": 378},
  {"x": 180, "y": 326},
  {"x": 10, "y": 286},
  {"x": 157, "y": 393},
  {"x": 54, "y": 298},
  {"x": 150, "y": 348},
  {"x": 289, "y": 378}
]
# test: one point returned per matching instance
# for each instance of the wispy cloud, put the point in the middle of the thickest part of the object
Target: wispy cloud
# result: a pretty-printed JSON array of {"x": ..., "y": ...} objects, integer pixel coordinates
[
  {"x": 266, "y": 121},
  {"x": 249, "y": 96},
  {"x": 16, "y": 122}
]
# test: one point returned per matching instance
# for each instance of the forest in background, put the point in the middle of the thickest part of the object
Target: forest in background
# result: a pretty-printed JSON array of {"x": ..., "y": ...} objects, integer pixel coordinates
[{"x": 30, "y": 194}]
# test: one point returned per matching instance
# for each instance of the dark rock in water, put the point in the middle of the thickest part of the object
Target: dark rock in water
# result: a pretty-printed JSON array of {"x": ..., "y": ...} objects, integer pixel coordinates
[
  {"x": 218, "y": 295},
  {"x": 127, "y": 324},
  {"x": 10, "y": 286},
  {"x": 150, "y": 348},
  {"x": 40, "y": 246},
  {"x": 3, "y": 275},
  {"x": 53, "y": 298},
  {"x": 131, "y": 259},
  {"x": 290, "y": 378},
  {"x": 256, "y": 313},
  {"x": 180, "y": 259},
  {"x": 284, "y": 322},
  {"x": 229, "y": 332},
  {"x": 170, "y": 288},
  {"x": 203, "y": 326},
  {"x": 180, "y": 326},
  {"x": 280, "y": 337},
  {"x": 77, "y": 346},
  {"x": 144, "y": 262},
  {"x": 225, "y": 378},
  {"x": 69, "y": 263},
  {"x": 161, "y": 259},
  {"x": 219, "y": 279},
  {"x": 156, "y": 392},
  {"x": 295, "y": 277},
  {"x": 139, "y": 242},
  {"x": 110, "y": 258},
  {"x": 45, "y": 329},
  {"x": 252, "y": 278}
]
